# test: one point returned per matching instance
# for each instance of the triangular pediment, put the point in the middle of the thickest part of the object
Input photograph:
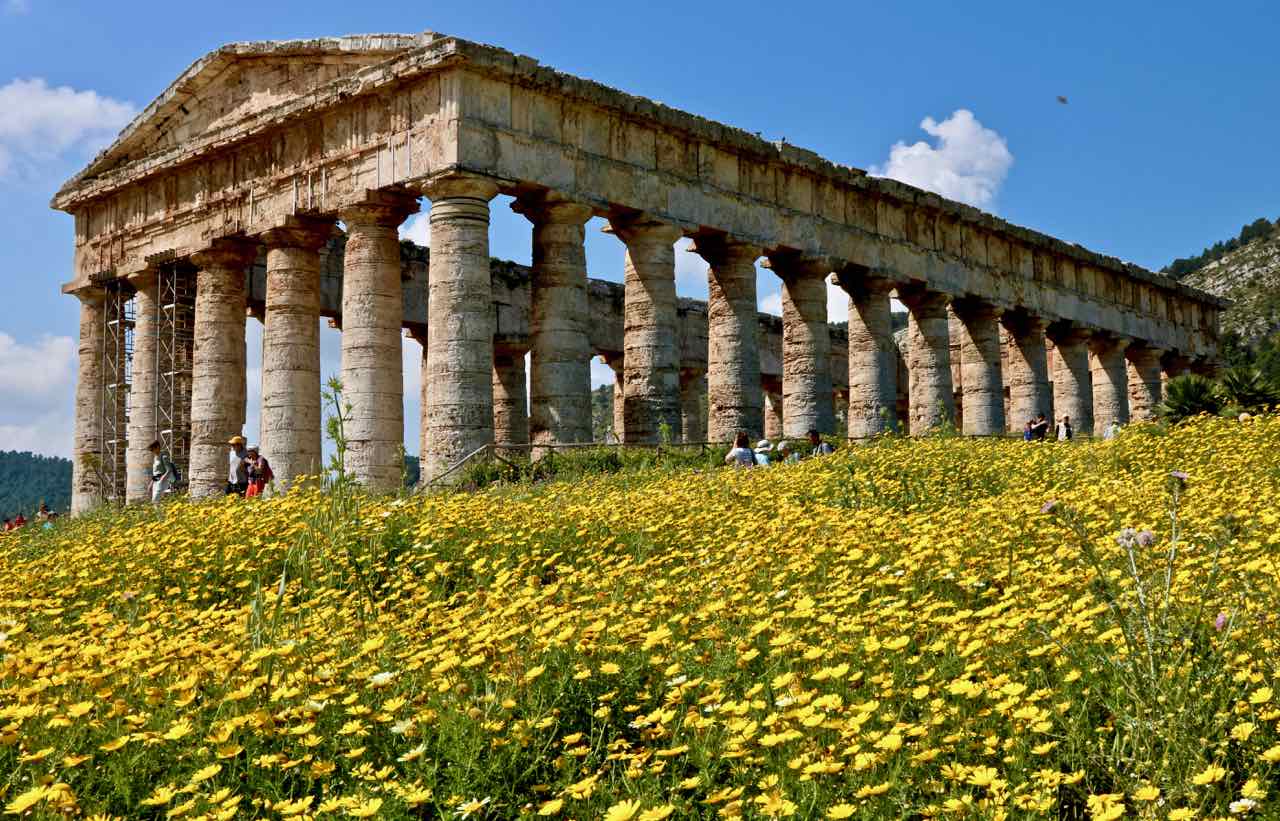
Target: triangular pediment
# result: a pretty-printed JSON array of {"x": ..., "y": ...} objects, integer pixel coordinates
[{"x": 239, "y": 81}]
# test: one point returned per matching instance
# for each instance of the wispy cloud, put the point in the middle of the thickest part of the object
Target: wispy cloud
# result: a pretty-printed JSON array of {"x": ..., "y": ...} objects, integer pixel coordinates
[
  {"x": 39, "y": 378},
  {"x": 43, "y": 123},
  {"x": 17, "y": 6},
  {"x": 966, "y": 161}
]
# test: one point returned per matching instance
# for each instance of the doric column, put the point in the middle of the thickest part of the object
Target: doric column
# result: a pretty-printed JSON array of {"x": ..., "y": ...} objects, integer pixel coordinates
[
  {"x": 218, "y": 363},
  {"x": 873, "y": 367},
  {"x": 459, "y": 415},
  {"x": 651, "y": 352},
  {"x": 693, "y": 386},
  {"x": 1072, "y": 382},
  {"x": 773, "y": 408},
  {"x": 511, "y": 423},
  {"x": 1144, "y": 381},
  {"x": 734, "y": 398},
  {"x": 419, "y": 335},
  {"x": 372, "y": 315},
  {"x": 806, "y": 345},
  {"x": 619, "y": 423},
  {"x": 142, "y": 388},
  {"x": 1027, "y": 369},
  {"x": 86, "y": 489},
  {"x": 930, "y": 389},
  {"x": 560, "y": 348},
  {"x": 1110, "y": 381},
  {"x": 291, "y": 410},
  {"x": 981, "y": 380}
]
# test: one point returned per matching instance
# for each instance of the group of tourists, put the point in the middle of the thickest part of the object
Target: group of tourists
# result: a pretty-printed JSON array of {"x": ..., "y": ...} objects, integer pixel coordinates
[
  {"x": 44, "y": 519},
  {"x": 249, "y": 472},
  {"x": 1037, "y": 429},
  {"x": 765, "y": 453}
]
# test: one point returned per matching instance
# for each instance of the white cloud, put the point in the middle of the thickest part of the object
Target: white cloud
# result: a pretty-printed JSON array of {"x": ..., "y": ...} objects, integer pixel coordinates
[
  {"x": 417, "y": 229},
  {"x": 601, "y": 374},
  {"x": 17, "y": 6},
  {"x": 40, "y": 123},
  {"x": 967, "y": 162},
  {"x": 771, "y": 303},
  {"x": 39, "y": 380}
]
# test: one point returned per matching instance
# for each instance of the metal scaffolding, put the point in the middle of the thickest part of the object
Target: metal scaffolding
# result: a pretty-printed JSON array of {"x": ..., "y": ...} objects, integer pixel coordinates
[
  {"x": 117, "y": 372},
  {"x": 175, "y": 344}
]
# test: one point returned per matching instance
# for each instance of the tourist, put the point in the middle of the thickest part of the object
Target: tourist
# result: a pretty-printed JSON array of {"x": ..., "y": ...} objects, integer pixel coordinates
[
  {"x": 8, "y": 523},
  {"x": 1028, "y": 430},
  {"x": 820, "y": 448},
  {"x": 238, "y": 471},
  {"x": 1065, "y": 431},
  {"x": 741, "y": 455},
  {"x": 259, "y": 471},
  {"x": 1040, "y": 430},
  {"x": 786, "y": 453},
  {"x": 164, "y": 475},
  {"x": 19, "y": 521},
  {"x": 1111, "y": 430},
  {"x": 763, "y": 448}
]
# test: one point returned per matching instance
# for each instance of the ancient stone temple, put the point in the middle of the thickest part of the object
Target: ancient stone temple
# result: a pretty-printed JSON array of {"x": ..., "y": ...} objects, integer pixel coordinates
[{"x": 270, "y": 179}]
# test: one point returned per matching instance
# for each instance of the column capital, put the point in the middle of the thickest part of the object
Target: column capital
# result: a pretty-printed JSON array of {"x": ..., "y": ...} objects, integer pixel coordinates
[
  {"x": 234, "y": 253},
  {"x": 1106, "y": 342},
  {"x": 789, "y": 264},
  {"x": 552, "y": 207},
  {"x": 720, "y": 250},
  {"x": 918, "y": 295},
  {"x": 90, "y": 295},
  {"x": 1139, "y": 349},
  {"x": 643, "y": 227},
  {"x": 1065, "y": 332},
  {"x": 386, "y": 209},
  {"x": 459, "y": 184},
  {"x": 308, "y": 233},
  {"x": 1019, "y": 323},
  {"x": 860, "y": 283},
  {"x": 969, "y": 307}
]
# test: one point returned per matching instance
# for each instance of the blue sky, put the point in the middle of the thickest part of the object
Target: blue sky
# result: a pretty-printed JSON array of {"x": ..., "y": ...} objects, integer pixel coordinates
[{"x": 1167, "y": 143}]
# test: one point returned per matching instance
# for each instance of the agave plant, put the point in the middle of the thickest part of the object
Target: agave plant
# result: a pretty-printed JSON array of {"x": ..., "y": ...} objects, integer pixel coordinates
[
  {"x": 1190, "y": 395},
  {"x": 1249, "y": 389}
]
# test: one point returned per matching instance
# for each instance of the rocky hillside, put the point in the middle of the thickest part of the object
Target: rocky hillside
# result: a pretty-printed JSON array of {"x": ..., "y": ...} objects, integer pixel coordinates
[{"x": 1250, "y": 277}]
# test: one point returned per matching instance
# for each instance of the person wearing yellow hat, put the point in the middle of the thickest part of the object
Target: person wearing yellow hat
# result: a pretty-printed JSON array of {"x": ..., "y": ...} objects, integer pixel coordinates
[{"x": 238, "y": 469}]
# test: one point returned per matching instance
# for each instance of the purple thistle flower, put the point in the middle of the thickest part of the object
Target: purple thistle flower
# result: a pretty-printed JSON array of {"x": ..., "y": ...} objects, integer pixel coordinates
[
  {"x": 1048, "y": 506},
  {"x": 1221, "y": 621}
]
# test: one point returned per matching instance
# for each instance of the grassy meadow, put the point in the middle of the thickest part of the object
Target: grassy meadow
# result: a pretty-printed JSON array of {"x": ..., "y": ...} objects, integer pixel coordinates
[{"x": 942, "y": 628}]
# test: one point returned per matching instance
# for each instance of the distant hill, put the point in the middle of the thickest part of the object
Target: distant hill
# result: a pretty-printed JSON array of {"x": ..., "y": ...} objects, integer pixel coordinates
[
  {"x": 1258, "y": 229},
  {"x": 27, "y": 479},
  {"x": 1249, "y": 276}
]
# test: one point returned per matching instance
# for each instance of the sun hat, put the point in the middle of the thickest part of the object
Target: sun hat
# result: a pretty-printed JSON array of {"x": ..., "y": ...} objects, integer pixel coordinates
[
  {"x": 236, "y": 440},
  {"x": 764, "y": 445}
]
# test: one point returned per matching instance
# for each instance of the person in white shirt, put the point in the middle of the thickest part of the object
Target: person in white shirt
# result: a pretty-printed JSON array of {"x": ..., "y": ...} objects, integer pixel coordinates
[
  {"x": 163, "y": 474},
  {"x": 763, "y": 448},
  {"x": 1065, "y": 431},
  {"x": 741, "y": 455}
]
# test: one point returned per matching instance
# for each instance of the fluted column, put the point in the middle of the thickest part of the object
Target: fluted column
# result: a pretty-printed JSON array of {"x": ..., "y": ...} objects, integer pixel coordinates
[
  {"x": 142, "y": 389},
  {"x": 372, "y": 315},
  {"x": 651, "y": 353},
  {"x": 734, "y": 398},
  {"x": 806, "y": 346},
  {"x": 511, "y": 424},
  {"x": 560, "y": 348},
  {"x": 1072, "y": 382},
  {"x": 930, "y": 389},
  {"x": 873, "y": 368},
  {"x": 459, "y": 416},
  {"x": 86, "y": 489},
  {"x": 419, "y": 335},
  {"x": 1027, "y": 370},
  {"x": 693, "y": 386},
  {"x": 619, "y": 423},
  {"x": 1144, "y": 381},
  {"x": 773, "y": 407},
  {"x": 218, "y": 361},
  {"x": 1110, "y": 381},
  {"x": 291, "y": 411},
  {"x": 981, "y": 376}
]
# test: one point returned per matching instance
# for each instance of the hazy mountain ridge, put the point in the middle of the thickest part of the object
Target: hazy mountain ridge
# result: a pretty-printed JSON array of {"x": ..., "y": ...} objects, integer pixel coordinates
[{"x": 1250, "y": 277}]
